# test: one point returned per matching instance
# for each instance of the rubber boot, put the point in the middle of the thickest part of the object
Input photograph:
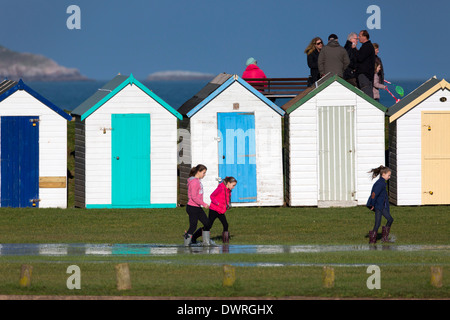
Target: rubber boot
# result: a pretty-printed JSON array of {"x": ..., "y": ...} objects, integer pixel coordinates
[
  {"x": 385, "y": 234},
  {"x": 187, "y": 240},
  {"x": 225, "y": 237},
  {"x": 372, "y": 237},
  {"x": 206, "y": 238}
]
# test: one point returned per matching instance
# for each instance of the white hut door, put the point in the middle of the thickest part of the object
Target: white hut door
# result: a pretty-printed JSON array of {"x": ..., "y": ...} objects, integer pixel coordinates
[{"x": 336, "y": 157}]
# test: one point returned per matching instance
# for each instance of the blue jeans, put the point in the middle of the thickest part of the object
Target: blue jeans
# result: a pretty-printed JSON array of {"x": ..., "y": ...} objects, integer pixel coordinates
[{"x": 385, "y": 213}]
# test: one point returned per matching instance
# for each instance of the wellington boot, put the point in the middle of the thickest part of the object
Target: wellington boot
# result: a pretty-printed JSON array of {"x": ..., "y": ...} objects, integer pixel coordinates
[
  {"x": 225, "y": 237},
  {"x": 206, "y": 238},
  {"x": 187, "y": 240},
  {"x": 372, "y": 237},
  {"x": 385, "y": 234}
]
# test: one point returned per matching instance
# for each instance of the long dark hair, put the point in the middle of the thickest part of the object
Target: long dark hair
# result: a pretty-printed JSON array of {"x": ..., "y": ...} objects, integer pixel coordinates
[
  {"x": 379, "y": 171},
  {"x": 229, "y": 180},
  {"x": 196, "y": 169}
]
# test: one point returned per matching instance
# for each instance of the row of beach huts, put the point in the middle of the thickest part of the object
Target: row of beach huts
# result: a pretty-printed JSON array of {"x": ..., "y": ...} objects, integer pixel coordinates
[{"x": 133, "y": 150}]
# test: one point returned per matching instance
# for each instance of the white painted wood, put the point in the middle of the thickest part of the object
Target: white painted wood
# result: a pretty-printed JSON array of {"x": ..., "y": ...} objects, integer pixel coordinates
[
  {"x": 52, "y": 142},
  {"x": 409, "y": 148},
  {"x": 163, "y": 153},
  {"x": 303, "y": 144},
  {"x": 204, "y": 146}
]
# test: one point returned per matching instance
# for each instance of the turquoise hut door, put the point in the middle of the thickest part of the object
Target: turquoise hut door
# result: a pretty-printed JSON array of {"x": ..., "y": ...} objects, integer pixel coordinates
[
  {"x": 237, "y": 153},
  {"x": 130, "y": 160}
]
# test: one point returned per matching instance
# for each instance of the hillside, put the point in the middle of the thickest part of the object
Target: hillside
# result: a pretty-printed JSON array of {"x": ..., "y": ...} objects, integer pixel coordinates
[{"x": 33, "y": 67}]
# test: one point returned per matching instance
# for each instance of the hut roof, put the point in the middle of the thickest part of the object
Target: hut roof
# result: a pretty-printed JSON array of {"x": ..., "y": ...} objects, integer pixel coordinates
[
  {"x": 214, "y": 88},
  {"x": 203, "y": 93},
  {"x": 425, "y": 90},
  {"x": 8, "y": 87},
  {"x": 324, "y": 82},
  {"x": 109, "y": 90}
]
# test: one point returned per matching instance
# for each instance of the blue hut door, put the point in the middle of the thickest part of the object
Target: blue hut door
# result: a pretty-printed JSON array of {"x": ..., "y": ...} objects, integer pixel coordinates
[
  {"x": 237, "y": 153},
  {"x": 19, "y": 161},
  {"x": 130, "y": 160}
]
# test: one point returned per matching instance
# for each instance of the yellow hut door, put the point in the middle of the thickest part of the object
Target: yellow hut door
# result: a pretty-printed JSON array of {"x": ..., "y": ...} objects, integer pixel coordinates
[{"x": 435, "y": 157}]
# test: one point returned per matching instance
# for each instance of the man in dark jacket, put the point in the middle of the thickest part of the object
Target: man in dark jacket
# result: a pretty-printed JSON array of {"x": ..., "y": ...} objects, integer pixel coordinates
[
  {"x": 333, "y": 58},
  {"x": 365, "y": 64},
  {"x": 350, "y": 47}
]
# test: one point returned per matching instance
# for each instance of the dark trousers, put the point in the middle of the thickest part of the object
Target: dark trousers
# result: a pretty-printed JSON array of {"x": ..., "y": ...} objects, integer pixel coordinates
[
  {"x": 213, "y": 215},
  {"x": 196, "y": 214},
  {"x": 365, "y": 84},
  {"x": 385, "y": 213}
]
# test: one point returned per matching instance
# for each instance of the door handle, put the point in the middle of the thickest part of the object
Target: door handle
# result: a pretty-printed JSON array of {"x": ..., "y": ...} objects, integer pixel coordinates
[{"x": 117, "y": 158}]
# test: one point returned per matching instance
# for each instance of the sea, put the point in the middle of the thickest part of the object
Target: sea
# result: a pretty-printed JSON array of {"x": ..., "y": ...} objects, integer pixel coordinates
[{"x": 69, "y": 95}]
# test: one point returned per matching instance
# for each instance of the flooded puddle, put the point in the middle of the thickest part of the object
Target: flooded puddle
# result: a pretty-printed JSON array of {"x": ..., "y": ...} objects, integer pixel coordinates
[{"x": 74, "y": 249}]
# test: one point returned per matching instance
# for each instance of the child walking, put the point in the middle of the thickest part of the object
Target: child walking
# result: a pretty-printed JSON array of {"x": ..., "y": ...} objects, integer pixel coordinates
[
  {"x": 379, "y": 202},
  {"x": 220, "y": 202},
  {"x": 195, "y": 203}
]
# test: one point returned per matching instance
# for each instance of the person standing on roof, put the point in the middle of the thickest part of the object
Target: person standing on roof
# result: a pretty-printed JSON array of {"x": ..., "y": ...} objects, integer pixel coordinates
[{"x": 333, "y": 58}]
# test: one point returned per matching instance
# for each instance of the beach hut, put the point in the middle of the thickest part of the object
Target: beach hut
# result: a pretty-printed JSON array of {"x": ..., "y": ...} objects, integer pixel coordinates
[
  {"x": 334, "y": 134},
  {"x": 419, "y": 146},
  {"x": 125, "y": 148},
  {"x": 233, "y": 130},
  {"x": 33, "y": 151}
]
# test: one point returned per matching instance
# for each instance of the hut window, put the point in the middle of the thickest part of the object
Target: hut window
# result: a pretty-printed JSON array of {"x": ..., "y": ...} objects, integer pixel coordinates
[
  {"x": 235, "y": 106},
  {"x": 443, "y": 99}
]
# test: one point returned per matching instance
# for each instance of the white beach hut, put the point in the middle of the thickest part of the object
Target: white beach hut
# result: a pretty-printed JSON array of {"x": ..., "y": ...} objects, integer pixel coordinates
[
  {"x": 334, "y": 135},
  {"x": 233, "y": 130},
  {"x": 125, "y": 148},
  {"x": 33, "y": 148},
  {"x": 419, "y": 146}
]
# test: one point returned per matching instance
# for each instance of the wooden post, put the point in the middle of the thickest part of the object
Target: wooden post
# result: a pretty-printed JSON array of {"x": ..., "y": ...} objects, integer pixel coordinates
[
  {"x": 25, "y": 275},
  {"x": 229, "y": 275},
  {"x": 328, "y": 277},
  {"x": 123, "y": 276},
  {"x": 436, "y": 276}
]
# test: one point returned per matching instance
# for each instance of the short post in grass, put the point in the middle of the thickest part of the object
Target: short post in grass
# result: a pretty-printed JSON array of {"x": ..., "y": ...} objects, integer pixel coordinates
[
  {"x": 123, "y": 276},
  {"x": 328, "y": 277},
  {"x": 436, "y": 276},
  {"x": 229, "y": 275},
  {"x": 25, "y": 275}
]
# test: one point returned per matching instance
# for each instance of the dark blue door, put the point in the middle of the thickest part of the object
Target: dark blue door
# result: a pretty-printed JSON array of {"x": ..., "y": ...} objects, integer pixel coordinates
[
  {"x": 19, "y": 161},
  {"x": 237, "y": 153}
]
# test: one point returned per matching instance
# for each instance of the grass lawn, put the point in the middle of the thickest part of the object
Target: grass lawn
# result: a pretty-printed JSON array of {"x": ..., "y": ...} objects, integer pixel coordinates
[{"x": 403, "y": 273}]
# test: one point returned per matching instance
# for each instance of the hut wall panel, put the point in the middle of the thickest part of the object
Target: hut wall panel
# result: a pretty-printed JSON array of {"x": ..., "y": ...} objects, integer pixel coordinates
[
  {"x": 303, "y": 155},
  {"x": 370, "y": 146},
  {"x": 163, "y": 127},
  {"x": 409, "y": 154},
  {"x": 267, "y": 137},
  {"x": 52, "y": 142},
  {"x": 303, "y": 143}
]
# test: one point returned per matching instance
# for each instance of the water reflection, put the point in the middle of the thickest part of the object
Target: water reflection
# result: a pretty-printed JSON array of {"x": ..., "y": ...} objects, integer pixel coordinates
[{"x": 74, "y": 249}]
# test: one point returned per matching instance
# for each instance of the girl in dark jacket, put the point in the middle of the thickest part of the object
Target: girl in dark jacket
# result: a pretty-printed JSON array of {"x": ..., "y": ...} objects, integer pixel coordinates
[{"x": 379, "y": 202}]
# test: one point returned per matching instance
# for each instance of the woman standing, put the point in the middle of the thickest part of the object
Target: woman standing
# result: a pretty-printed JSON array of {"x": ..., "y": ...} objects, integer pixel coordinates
[
  {"x": 195, "y": 202},
  {"x": 379, "y": 202},
  {"x": 220, "y": 202},
  {"x": 312, "y": 52}
]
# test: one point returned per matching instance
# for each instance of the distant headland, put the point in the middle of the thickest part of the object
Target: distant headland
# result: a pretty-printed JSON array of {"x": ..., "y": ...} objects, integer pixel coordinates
[
  {"x": 33, "y": 67},
  {"x": 179, "y": 75}
]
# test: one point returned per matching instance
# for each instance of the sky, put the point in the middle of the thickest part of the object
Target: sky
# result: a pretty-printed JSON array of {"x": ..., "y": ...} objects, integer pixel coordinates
[{"x": 211, "y": 36}]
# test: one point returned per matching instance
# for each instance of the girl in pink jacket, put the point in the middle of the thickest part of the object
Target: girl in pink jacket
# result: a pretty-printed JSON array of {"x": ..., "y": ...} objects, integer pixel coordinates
[
  {"x": 195, "y": 203},
  {"x": 220, "y": 202}
]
